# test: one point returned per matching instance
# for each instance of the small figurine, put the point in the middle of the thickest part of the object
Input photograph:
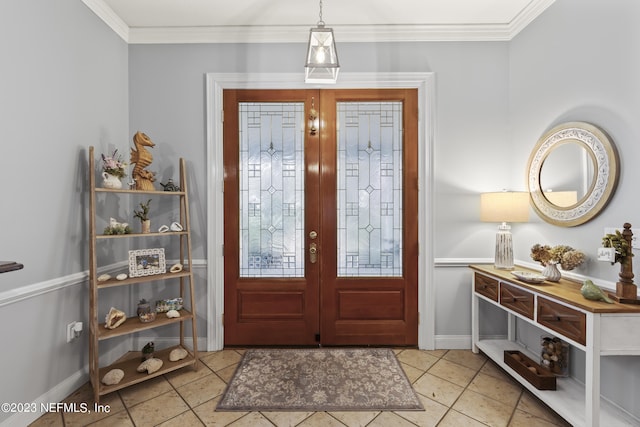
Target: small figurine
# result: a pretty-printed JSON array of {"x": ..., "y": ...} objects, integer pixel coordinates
[
  {"x": 170, "y": 186},
  {"x": 142, "y": 158},
  {"x": 147, "y": 350},
  {"x": 590, "y": 291}
]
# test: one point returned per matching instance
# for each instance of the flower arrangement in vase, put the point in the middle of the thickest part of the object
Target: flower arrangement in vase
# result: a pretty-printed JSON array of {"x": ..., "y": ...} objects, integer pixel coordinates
[
  {"x": 550, "y": 257},
  {"x": 143, "y": 216},
  {"x": 621, "y": 242},
  {"x": 113, "y": 169}
]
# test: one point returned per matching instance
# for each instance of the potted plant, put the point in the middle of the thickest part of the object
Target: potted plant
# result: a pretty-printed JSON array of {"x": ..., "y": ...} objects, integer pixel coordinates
[
  {"x": 143, "y": 216},
  {"x": 112, "y": 170},
  {"x": 621, "y": 242}
]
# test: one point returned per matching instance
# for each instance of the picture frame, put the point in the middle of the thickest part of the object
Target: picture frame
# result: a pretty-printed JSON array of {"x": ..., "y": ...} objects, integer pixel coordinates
[{"x": 147, "y": 262}]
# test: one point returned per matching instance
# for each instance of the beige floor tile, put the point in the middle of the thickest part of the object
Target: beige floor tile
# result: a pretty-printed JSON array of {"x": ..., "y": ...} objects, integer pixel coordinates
[
  {"x": 252, "y": 419},
  {"x": 186, "y": 375},
  {"x": 412, "y": 373},
  {"x": 207, "y": 413},
  {"x": 146, "y": 390},
  {"x": 84, "y": 395},
  {"x": 221, "y": 359},
  {"x": 452, "y": 372},
  {"x": 49, "y": 419},
  {"x": 502, "y": 391},
  {"x": 483, "y": 409},
  {"x": 355, "y": 419},
  {"x": 158, "y": 409},
  {"x": 432, "y": 414},
  {"x": 121, "y": 419},
  {"x": 438, "y": 389},
  {"x": 456, "y": 419},
  {"x": 466, "y": 358},
  {"x": 386, "y": 419},
  {"x": 321, "y": 419},
  {"x": 185, "y": 419},
  {"x": 494, "y": 370},
  {"x": 201, "y": 390},
  {"x": 227, "y": 373},
  {"x": 416, "y": 358},
  {"x": 531, "y": 405},
  {"x": 286, "y": 419},
  {"x": 523, "y": 419}
]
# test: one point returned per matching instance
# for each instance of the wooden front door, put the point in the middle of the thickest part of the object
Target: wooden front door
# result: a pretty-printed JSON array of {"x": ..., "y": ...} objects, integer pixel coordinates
[{"x": 321, "y": 217}]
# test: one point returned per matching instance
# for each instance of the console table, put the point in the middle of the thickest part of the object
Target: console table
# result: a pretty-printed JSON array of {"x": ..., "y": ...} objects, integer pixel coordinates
[{"x": 597, "y": 328}]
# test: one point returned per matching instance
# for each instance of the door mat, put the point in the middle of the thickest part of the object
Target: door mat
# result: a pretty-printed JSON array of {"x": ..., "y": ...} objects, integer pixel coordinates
[{"x": 323, "y": 379}]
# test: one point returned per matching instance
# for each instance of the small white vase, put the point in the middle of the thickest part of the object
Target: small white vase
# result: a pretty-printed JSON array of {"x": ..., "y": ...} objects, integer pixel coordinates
[
  {"x": 111, "y": 181},
  {"x": 551, "y": 272}
]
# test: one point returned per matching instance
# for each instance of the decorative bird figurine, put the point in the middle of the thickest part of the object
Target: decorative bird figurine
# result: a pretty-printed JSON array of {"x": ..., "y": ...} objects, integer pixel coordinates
[
  {"x": 590, "y": 291},
  {"x": 147, "y": 350}
]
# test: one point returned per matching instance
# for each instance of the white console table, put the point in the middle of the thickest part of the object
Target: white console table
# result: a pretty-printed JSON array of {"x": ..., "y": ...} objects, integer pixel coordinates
[{"x": 595, "y": 327}]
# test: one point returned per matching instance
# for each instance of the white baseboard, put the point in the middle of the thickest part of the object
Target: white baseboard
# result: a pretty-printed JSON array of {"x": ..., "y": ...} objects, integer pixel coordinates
[{"x": 453, "y": 342}]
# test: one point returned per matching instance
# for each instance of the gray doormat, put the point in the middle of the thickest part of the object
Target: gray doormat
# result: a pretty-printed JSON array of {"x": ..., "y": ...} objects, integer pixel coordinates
[{"x": 323, "y": 379}]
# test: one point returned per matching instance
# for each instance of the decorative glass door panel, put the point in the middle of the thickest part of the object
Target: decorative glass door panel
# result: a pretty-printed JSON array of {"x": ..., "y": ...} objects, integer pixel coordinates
[
  {"x": 271, "y": 170},
  {"x": 369, "y": 189}
]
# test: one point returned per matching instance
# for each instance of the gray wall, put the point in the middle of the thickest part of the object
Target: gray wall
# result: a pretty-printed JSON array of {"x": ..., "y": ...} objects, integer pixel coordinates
[{"x": 63, "y": 86}]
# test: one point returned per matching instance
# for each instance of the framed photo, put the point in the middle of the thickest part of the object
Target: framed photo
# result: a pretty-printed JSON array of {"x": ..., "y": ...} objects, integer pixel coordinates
[{"x": 146, "y": 262}]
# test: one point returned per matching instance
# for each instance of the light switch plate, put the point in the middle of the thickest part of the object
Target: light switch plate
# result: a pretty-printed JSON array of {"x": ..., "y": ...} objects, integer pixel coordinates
[{"x": 606, "y": 254}]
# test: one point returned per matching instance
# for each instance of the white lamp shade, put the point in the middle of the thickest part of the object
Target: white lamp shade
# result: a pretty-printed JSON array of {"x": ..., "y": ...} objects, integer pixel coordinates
[
  {"x": 504, "y": 206},
  {"x": 322, "y": 58}
]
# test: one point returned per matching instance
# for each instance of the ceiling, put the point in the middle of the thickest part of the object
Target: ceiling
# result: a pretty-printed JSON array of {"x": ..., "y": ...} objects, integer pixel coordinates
[{"x": 281, "y": 21}]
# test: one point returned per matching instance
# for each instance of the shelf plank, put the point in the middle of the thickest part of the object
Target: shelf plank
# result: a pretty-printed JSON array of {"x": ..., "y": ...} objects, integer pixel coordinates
[
  {"x": 153, "y": 234},
  {"x": 568, "y": 400},
  {"x": 155, "y": 192},
  {"x": 133, "y": 324},
  {"x": 132, "y": 376},
  {"x": 143, "y": 279}
]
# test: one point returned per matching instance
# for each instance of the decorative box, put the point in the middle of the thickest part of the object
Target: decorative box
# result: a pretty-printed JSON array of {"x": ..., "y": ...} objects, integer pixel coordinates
[{"x": 539, "y": 376}]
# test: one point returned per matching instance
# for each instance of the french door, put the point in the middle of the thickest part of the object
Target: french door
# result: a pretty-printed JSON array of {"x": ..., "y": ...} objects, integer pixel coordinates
[{"x": 321, "y": 217}]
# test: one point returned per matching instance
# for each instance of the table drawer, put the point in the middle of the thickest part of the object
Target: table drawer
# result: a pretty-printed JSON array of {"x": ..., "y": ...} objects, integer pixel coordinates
[
  {"x": 517, "y": 300},
  {"x": 562, "y": 319},
  {"x": 486, "y": 286}
]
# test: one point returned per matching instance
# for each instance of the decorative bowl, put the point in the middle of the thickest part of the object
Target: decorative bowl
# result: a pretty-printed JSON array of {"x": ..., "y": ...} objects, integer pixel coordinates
[{"x": 529, "y": 277}]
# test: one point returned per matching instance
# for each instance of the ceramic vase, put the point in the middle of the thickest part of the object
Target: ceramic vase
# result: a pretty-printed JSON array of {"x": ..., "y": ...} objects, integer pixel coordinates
[
  {"x": 551, "y": 272},
  {"x": 111, "y": 181},
  {"x": 146, "y": 226}
]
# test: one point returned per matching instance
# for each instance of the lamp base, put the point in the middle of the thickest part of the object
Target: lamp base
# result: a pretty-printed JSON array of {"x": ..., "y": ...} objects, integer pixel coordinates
[{"x": 504, "y": 248}]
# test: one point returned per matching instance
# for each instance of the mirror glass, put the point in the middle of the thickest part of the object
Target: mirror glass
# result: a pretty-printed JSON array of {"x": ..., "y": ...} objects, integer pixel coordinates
[
  {"x": 567, "y": 174},
  {"x": 572, "y": 174}
]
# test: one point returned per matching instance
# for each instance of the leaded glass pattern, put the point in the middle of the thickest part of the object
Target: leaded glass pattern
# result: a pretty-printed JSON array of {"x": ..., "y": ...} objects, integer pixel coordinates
[
  {"x": 369, "y": 189},
  {"x": 271, "y": 173}
]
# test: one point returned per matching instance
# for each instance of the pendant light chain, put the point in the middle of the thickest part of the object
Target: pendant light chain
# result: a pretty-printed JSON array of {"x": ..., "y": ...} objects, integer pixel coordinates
[{"x": 320, "y": 22}]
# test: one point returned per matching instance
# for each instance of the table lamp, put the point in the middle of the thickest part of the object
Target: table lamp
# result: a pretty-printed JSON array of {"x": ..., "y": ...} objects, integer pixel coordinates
[{"x": 504, "y": 207}]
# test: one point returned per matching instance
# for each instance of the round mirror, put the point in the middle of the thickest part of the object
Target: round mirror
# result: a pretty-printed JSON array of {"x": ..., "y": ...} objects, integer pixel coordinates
[{"x": 572, "y": 173}]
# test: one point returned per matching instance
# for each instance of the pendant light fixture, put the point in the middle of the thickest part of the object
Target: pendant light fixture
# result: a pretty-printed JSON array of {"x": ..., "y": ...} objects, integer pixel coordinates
[{"x": 322, "y": 58}]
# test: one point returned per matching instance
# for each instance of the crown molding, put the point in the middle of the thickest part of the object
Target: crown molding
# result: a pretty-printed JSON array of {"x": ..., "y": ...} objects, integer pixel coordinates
[{"x": 299, "y": 34}]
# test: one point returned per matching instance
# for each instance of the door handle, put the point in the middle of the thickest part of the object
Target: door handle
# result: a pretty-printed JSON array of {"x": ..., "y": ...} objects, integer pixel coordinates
[{"x": 313, "y": 253}]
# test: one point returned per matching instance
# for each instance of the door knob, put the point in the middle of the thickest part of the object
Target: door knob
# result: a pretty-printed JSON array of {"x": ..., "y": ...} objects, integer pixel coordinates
[
  {"x": 313, "y": 253},
  {"x": 313, "y": 234}
]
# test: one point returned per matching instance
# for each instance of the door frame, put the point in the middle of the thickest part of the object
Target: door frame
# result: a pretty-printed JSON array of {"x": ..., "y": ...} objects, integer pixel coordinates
[{"x": 217, "y": 82}]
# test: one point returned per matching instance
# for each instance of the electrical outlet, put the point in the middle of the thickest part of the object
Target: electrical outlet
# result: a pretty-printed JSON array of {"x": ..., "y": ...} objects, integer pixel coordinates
[
  {"x": 74, "y": 329},
  {"x": 606, "y": 254},
  {"x": 71, "y": 335},
  {"x": 635, "y": 243}
]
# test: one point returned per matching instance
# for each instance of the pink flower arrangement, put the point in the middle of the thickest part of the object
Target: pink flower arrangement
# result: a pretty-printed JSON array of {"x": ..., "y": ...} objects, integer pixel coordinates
[{"x": 114, "y": 165}]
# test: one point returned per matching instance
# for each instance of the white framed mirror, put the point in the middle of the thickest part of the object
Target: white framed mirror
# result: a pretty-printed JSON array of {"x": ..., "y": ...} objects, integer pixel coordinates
[{"x": 572, "y": 173}]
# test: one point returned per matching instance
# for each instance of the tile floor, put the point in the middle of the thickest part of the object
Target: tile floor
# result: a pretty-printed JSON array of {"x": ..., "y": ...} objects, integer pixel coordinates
[{"x": 457, "y": 388}]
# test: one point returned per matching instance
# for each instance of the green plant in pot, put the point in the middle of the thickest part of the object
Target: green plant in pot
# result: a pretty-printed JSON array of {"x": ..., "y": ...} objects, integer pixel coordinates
[{"x": 143, "y": 216}]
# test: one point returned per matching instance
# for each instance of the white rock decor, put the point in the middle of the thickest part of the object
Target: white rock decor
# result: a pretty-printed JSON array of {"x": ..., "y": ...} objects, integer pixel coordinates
[
  {"x": 113, "y": 377},
  {"x": 177, "y": 354},
  {"x": 173, "y": 313},
  {"x": 150, "y": 365}
]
